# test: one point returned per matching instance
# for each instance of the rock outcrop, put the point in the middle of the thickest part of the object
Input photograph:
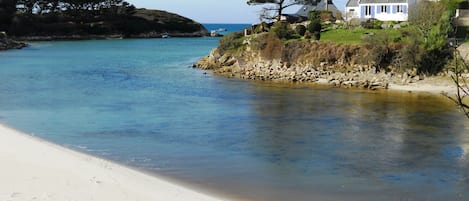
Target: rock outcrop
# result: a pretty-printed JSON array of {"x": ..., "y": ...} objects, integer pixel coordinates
[
  {"x": 337, "y": 72},
  {"x": 7, "y": 43}
]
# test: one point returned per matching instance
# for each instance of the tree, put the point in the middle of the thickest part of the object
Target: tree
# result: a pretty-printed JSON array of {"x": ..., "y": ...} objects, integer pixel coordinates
[
  {"x": 433, "y": 21},
  {"x": 277, "y": 7},
  {"x": 462, "y": 93},
  {"x": 7, "y": 11}
]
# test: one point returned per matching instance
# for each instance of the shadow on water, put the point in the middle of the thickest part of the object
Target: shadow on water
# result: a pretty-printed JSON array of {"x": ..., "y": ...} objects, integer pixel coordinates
[{"x": 367, "y": 144}]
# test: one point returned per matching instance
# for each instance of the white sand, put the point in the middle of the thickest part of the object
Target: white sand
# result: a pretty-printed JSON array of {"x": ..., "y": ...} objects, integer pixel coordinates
[
  {"x": 35, "y": 170},
  {"x": 435, "y": 85}
]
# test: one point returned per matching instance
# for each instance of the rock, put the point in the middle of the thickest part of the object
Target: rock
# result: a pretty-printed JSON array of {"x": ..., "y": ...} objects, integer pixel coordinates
[{"x": 7, "y": 43}]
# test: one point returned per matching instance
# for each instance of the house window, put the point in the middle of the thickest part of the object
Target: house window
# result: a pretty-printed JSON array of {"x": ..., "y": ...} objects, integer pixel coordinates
[
  {"x": 384, "y": 9},
  {"x": 367, "y": 10},
  {"x": 399, "y": 9}
]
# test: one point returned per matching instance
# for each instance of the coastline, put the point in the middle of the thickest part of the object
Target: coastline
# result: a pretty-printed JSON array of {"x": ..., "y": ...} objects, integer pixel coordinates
[
  {"x": 34, "y": 169},
  {"x": 252, "y": 66},
  {"x": 107, "y": 36}
]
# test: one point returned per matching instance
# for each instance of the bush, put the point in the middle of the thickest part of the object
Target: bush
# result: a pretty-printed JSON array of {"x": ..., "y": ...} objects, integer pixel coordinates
[
  {"x": 315, "y": 26},
  {"x": 300, "y": 30},
  {"x": 231, "y": 42},
  {"x": 381, "y": 53},
  {"x": 327, "y": 16},
  {"x": 317, "y": 35},
  {"x": 273, "y": 47},
  {"x": 262, "y": 27},
  {"x": 282, "y": 30},
  {"x": 313, "y": 15},
  {"x": 372, "y": 24}
]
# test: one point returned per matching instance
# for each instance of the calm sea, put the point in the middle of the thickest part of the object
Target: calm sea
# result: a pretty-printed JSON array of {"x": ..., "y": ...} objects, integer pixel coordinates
[{"x": 140, "y": 103}]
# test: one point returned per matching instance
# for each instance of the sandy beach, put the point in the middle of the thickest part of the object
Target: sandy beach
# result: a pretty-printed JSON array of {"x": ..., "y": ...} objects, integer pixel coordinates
[
  {"x": 434, "y": 85},
  {"x": 32, "y": 169}
]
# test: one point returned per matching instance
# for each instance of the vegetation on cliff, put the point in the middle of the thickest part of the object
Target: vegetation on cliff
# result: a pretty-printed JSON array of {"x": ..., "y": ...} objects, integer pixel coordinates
[
  {"x": 36, "y": 18},
  {"x": 420, "y": 46}
]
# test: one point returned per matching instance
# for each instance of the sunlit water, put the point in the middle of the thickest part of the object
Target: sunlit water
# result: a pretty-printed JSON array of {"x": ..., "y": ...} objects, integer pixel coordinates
[{"x": 140, "y": 103}]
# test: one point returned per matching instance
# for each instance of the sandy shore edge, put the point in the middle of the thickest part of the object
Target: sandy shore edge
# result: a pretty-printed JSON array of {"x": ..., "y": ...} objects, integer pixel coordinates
[
  {"x": 433, "y": 85},
  {"x": 34, "y": 169}
]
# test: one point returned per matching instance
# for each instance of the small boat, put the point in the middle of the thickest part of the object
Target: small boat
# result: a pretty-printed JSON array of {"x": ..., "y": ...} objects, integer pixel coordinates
[
  {"x": 165, "y": 35},
  {"x": 222, "y": 29}
]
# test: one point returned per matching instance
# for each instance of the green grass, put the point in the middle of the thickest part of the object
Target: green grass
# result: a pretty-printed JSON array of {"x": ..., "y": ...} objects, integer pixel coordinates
[{"x": 353, "y": 36}]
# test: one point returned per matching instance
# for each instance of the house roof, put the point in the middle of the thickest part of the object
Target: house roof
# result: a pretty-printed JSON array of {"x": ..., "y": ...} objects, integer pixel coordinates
[
  {"x": 381, "y": 1},
  {"x": 320, "y": 6},
  {"x": 352, "y": 3}
]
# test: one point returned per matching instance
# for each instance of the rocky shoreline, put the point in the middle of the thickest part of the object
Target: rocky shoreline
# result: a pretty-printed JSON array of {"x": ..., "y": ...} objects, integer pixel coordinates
[
  {"x": 337, "y": 75},
  {"x": 7, "y": 43}
]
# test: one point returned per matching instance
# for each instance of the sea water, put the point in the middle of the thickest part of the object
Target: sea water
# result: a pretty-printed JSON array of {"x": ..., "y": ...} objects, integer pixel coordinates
[{"x": 139, "y": 102}]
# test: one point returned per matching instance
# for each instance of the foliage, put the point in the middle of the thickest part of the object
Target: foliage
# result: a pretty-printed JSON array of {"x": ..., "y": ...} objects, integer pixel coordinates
[
  {"x": 316, "y": 36},
  {"x": 92, "y": 17},
  {"x": 426, "y": 15},
  {"x": 230, "y": 42},
  {"x": 283, "y": 31},
  {"x": 7, "y": 11},
  {"x": 410, "y": 54},
  {"x": 381, "y": 52},
  {"x": 433, "y": 21},
  {"x": 314, "y": 26},
  {"x": 300, "y": 30},
  {"x": 372, "y": 24},
  {"x": 462, "y": 93},
  {"x": 314, "y": 14},
  {"x": 262, "y": 27},
  {"x": 273, "y": 47},
  {"x": 323, "y": 15},
  {"x": 274, "y": 8}
]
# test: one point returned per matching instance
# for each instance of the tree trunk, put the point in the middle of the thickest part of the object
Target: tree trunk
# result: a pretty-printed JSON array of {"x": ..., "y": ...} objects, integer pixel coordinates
[{"x": 280, "y": 10}]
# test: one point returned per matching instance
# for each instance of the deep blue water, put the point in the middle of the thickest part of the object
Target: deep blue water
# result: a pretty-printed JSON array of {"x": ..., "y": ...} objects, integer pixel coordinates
[
  {"x": 140, "y": 103},
  {"x": 229, "y": 27}
]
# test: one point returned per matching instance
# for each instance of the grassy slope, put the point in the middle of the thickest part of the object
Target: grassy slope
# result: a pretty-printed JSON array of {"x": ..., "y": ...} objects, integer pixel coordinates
[{"x": 353, "y": 36}]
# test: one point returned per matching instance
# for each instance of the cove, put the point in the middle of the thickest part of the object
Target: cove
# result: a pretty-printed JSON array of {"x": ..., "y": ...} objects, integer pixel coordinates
[{"x": 140, "y": 103}]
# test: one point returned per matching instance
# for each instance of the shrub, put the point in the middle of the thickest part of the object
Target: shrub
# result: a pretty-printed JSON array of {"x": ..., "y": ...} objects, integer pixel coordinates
[
  {"x": 315, "y": 26},
  {"x": 273, "y": 47},
  {"x": 262, "y": 27},
  {"x": 282, "y": 30},
  {"x": 317, "y": 35},
  {"x": 381, "y": 53},
  {"x": 372, "y": 24},
  {"x": 231, "y": 42},
  {"x": 327, "y": 16},
  {"x": 300, "y": 30},
  {"x": 313, "y": 15}
]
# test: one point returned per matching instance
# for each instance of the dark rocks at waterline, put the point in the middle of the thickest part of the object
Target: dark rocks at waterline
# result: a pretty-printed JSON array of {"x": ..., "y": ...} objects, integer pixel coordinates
[{"x": 7, "y": 43}]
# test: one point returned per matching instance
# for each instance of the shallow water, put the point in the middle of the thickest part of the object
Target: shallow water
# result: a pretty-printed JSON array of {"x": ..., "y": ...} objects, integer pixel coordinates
[{"x": 140, "y": 103}]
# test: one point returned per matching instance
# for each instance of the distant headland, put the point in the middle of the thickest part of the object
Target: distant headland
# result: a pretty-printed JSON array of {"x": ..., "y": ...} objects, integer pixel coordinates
[{"x": 76, "y": 20}]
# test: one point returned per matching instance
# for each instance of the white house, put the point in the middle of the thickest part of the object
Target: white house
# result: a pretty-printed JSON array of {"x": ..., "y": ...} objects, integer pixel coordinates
[{"x": 384, "y": 10}]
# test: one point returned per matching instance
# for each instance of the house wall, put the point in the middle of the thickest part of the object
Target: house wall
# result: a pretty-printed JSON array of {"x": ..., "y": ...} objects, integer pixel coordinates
[
  {"x": 352, "y": 13},
  {"x": 391, "y": 13}
]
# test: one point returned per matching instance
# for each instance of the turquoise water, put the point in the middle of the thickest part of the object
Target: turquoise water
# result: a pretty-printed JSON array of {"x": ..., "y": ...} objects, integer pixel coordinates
[{"x": 140, "y": 103}]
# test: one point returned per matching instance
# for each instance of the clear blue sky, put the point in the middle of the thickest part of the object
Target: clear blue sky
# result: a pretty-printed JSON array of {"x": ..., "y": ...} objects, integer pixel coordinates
[{"x": 212, "y": 11}]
